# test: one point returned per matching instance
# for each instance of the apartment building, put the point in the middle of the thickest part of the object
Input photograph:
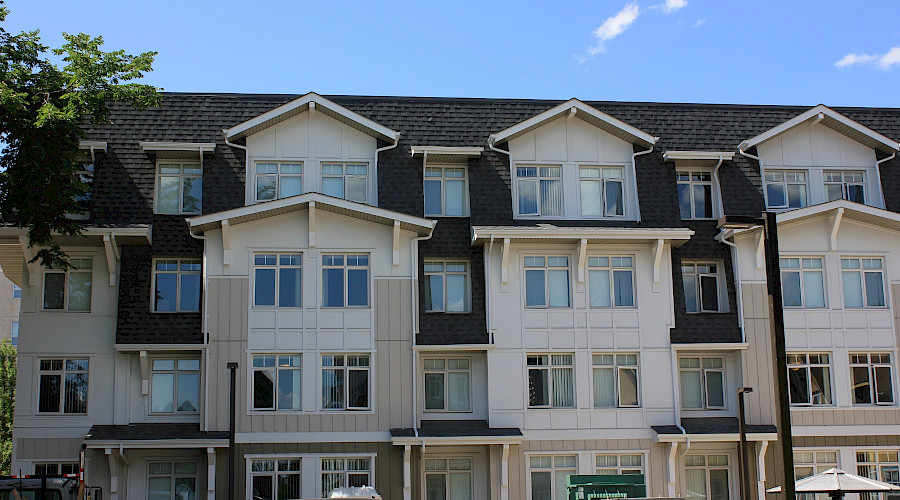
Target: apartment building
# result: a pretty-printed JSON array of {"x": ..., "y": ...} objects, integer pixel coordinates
[{"x": 462, "y": 298}]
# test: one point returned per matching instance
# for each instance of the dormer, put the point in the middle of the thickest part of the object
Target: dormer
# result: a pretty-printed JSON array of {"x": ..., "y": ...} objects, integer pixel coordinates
[
  {"x": 573, "y": 162},
  {"x": 820, "y": 156},
  {"x": 312, "y": 145}
]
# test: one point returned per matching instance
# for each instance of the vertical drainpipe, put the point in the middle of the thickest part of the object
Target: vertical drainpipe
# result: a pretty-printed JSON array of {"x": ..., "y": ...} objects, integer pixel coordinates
[{"x": 232, "y": 417}]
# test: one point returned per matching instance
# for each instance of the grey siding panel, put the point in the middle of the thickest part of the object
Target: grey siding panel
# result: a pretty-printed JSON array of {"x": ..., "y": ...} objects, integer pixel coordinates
[
  {"x": 43, "y": 448},
  {"x": 757, "y": 359}
]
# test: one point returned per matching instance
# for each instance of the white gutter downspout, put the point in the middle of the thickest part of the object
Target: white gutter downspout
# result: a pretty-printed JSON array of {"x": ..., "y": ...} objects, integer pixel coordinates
[
  {"x": 205, "y": 327},
  {"x": 736, "y": 269},
  {"x": 748, "y": 155},
  {"x": 677, "y": 407},
  {"x": 414, "y": 257},
  {"x": 375, "y": 163},
  {"x": 715, "y": 174},
  {"x": 637, "y": 200},
  {"x": 878, "y": 173}
]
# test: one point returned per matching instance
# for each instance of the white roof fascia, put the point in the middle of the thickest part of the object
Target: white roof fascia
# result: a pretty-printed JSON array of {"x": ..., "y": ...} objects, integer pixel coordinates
[
  {"x": 820, "y": 112},
  {"x": 200, "y": 147},
  {"x": 590, "y": 233},
  {"x": 453, "y": 347},
  {"x": 712, "y": 346},
  {"x": 141, "y": 230},
  {"x": 709, "y": 438},
  {"x": 697, "y": 155},
  {"x": 315, "y": 100},
  {"x": 158, "y": 443},
  {"x": 92, "y": 145},
  {"x": 457, "y": 440},
  {"x": 159, "y": 347},
  {"x": 452, "y": 150},
  {"x": 635, "y": 134},
  {"x": 848, "y": 206}
]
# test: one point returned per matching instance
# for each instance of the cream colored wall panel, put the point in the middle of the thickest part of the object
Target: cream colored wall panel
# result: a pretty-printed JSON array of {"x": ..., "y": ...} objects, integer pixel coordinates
[
  {"x": 330, "y": 319},
  {"x": 827, "y": 146},
  {"x": 627, "y": 339},
  {"x": 818, "y": 319},
  {"x": 262, "y": 318},
  {"x": 330, "y": 340},
  {"x": 537, "y": 339},
  {"x": 600, "y": 319},
  {"x": 511, "y": 379},
  {"x": 563, "y": 419},
  {"x": 358, "y": 318},
  {"x": 540, "y": 419},
  {"x": 820, "y": 339},
  {"x": 882, "y": 339},
  {"x": 562, "y": 339},
  {"x": 626, "y": 319},
  {"x": 562, "y": 320},
  {"x": 550, "y": 141},
  {"x": 355, "y": 339},
  {"x": 536, "y": 319},
  {"x": 587, "y": 142},
  {"x": 858, "y": 155},
  {"x": 603, "y": 419},
  {"x": 262, "y": 143},
  {"x": 293, "y": 137},
  {"x": 289, "y": 340},
  {"x": 289, "y": 318},
  {"x": 360, "y": 145},
  {"x": 855, "y": 319},
  {"x": 328, "y": 137},
  {"x": 857, "y": 339},
  {"x": 880, "y": 319},
  {"x": 523, "y": 148},
  {"x": 796, "y": 148}
]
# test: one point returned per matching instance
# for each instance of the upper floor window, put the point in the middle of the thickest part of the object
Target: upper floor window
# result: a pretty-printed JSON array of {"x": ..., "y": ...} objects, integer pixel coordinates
[
  {"x": 872, "y": 378},
  {"x": 614, "y": 465},
  {"x": 702, "y": 383},
  {"x": 175, "y": 386},
  {"x": 174, "y": 480},
  {"x": 69, "y": 289},
  {"x": 863, "y": 281},
  {"x": 701, "y": 286},
  {"x": 548, "y": 475},
  {"x": 695, "y": 194},
  {"x": 278, "y": 180},
  {"x": 845, "y": 185},
  {"x": 345, "y": 382},
  {"x": 602, "y": 191},
  {"x": 551, "y": 381},
  {"x": 176, "y": 285},
  {"x": 611, "y": 281},
  {"x": 276, "y": 381},
  {"x": 809, "y": 377},
  {"x": 346, "y": 180},
  {"x": 786, "y": 188},
  {"x": 802, "y": 282},
  {"x": 446, "y": 286},
  {"x": 16, "y": 291},
  {"x": 448, "y": 478},
  {"x": 616, "y": 381},
  {"x": 539, "y": 190},
  {"x": 272, "y": 479},
  {"x": 179, "y": 188},
  {"x": 277, "y": 279},
  {"x": 445, "y": 192},
  {"x": 345, "y": 280},
  {"x": 447, "y": 384},
  {"x": 343, "y": 473},
  {"x": 547, "y": 281},
  {"x": 86, "y": 175},
  {"x": 63, "y": 386}
]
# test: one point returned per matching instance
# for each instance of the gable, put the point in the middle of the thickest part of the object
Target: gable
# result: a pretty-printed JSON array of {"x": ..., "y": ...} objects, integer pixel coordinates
[
  {"x": 570, "y": 140},
  {"x": 815, "y": 145},
  {"x": 311, "y": 134}
]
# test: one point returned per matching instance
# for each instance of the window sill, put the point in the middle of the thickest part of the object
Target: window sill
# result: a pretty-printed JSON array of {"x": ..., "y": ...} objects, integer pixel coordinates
[
  {"x": 449, "y": 312},
  {"x": 801, "y": 406},
  {"x": 617, "y": 408}
]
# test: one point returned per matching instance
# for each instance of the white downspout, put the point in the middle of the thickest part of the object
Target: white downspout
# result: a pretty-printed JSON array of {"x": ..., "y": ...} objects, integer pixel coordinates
[
  {"x": 375, "y": 163},
  {"x": 878, "y": 175},
  {"x": 715, "y": 174},
  {"x": 637, "y": 200},
  {"x": 414, "y": 257},
  {"x": 205, "y": 327}
]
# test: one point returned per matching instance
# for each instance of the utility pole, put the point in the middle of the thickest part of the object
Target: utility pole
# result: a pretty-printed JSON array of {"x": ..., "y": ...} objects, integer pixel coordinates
[{"x": 744, "y": 462}]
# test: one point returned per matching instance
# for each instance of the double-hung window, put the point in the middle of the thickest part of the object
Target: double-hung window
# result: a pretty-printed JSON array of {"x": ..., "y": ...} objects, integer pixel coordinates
[
  {"x": 345, "y": 472},
  {"x": 547, "y": 281},
  {"x": 616, "y": 381},
  {"x": 175, "y": 386},
  {"x": 615, "y": 465},
  {"x": 179, "y": 188},
  {"x": 345, "y": 382},
  {"x": 880, "y": 465},
  {"x": 551, "y": 381},
  {"x": 69, "y": 289},
  {"x": 611, "y": 281},
  {"x": 63, "y": 386},
  {"x": 55, "y": 468},
  {"x": 786, "y": 189},
  {"x": 447, "y": 384},
  {"x": 845, "y": 185},
  {"x": 701, "y": 286},
  {"x": 445, "y": 192},
  {"x": 446, "y": 286},
  {"x": 548, "y": 475},
  {"x": 172, "y": 480},
  {"x": 176, "y": 285},
  {"x": 808, "y": 463},
  {"x": 275, "y": 478},
  {"x": 539, "y": 190},
  {"x": 345, "y": 280},
  {"x": 602, "y": 191},
  {"x": 702, "y": 383},
  {"x": 706, "y": 477},
  {"x": 802, "y": 282},
  {"x": 448, "y": 478},
  {"x": 346, "y": 180},
  {"x": 277, "y": 279},
  {"x": 695, "y": 194},
  {"x": 872, "y": 378},
  {"x": 809, "y": 378},
  {"x": 278, "y": 180},
  {"x": 276, "y": 381},
  {"x": 863, "y": 281}
]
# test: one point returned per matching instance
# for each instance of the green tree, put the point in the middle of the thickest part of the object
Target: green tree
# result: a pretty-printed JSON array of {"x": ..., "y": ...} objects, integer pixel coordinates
[
  {"x": 43, "y": 109},
  {"x": 7, "y": 402}
]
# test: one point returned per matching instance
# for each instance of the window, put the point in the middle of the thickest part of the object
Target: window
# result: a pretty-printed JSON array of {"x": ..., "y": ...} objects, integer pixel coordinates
[
  {"x": 802, "y": 282},
  {"x": 863, "y": 282},
  {"x": 551, "y": 381},
  {"x": 546, "y": 281},
  {"x": 277, "y": 279},
  {"x": 345, "y": 472},
  {"x": 873, "y": 380},
  {"x": 539, "y": 190},
  {"x": 695, "y": 194},
  {"x": 616, "y": 381},
  {"x": 701, "y": 286},
  {"x": 17, "y": 291},
  {"x": 275, "y": 479},
  {"x": 86, "y": 175},
  {"x": 69, "y": 290},
  {"x": 786, "y": 188},
  {"x": 446, "y": 286},
  {"x": 549, "y": 475},
  {"x": 615, "y": 292},
  {"x": 448, "y": 478},
  {"x": 808, "y": 463},
  {"x": 63, "y": 386},
  {"x": 176, "y": 285},
  {"x": 345, "y": 280},
  {"x": 702, "y": 383},
  {"x": 602, "y": 191},
  {"x": 56, "y": 468},
  {"x": 706, "y": 477},
  {"x": 881, "y": 466},
  {"x": 276, "y": 381},
  {"x": 179, "y": 188},
  {"x": 614, "y": 465},
  {"x": 447, "y": 384},
  {"x": 14, "y": 332},
  {"x": 278, "y": 180},
  {"x": 445, "y": 192},
  {"x": 175, "y": 386},
  {"x": 345, "y": 382},
  {"x": 172, "y": 480},
  {"x": 841, "y": 185},
  {"x": 809, "y": 377},
  {"x": 345, "y": 180}
]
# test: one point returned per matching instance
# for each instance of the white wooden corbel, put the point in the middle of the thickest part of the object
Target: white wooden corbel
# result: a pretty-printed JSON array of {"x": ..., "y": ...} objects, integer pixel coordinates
[
  {"x": 34, "y": 270},
  {"x": 504, "y": 472},
  {"x": 210, "y": 473},
  {"x": 835, "y": 225},
  {"x": 145, "y": 373},
  {"x": 312, "y": 223},
  {"x": 761, "y": 469},
  {"x": 407, "y": 473},
  {"x": 504, "y": 266},
  {"x": 673, "y": 453},
  {"x": 112, "y": 256},
  {"x": 657, "y": 262},
  {"x": 761, "y": 249},
  {"x": 582, "y": 257},
  {"x": 226, "y": 242},
  {"x": 396, "y": 254}
]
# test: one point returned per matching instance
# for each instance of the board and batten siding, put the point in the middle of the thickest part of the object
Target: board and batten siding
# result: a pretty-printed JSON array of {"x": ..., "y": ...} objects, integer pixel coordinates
[{"x": 756, "y": 360}]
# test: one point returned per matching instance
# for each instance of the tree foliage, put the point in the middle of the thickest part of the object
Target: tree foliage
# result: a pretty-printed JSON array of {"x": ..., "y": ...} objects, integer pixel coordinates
[
  {"x": 7, "y": 402},
  {"x": 43, "y": 109}
]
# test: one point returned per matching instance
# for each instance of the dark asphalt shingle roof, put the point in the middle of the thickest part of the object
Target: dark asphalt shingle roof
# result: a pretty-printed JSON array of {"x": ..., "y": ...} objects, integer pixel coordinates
[
  {"x": 712, "y": 425},
  {"x": 457, "y": 428},
  {"x": 151, "y": 432}
]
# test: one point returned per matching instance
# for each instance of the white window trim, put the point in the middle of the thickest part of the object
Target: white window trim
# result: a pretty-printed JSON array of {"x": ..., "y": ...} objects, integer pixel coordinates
[
  {"x": 346, "y": 267},
  {"x": 251, "y": 409},
  {"x": 59, "y": 463},
  {"x": 178, "y": 273},
  {"x": 552, "y": 469},
  {"x": 443, "y": 274},
  {"x": 249, "y": 471},
  {"x": 175, "y": 371},
  {"x": 348, "y": 456},
  {"x": 785, "y": 183},
  {"x": 612, "y": 293},
  {"x": 803, "y": 270},
  {"x": 277, "y": 266},
  {"x": 550, "y": 389},
  {"x": 844, "y": 184},
  {"x": 174, "y": 475},
  {"x": 344, "y": 176},
  {"x": 807, "y": 365},
  {"x": 62, "y": 387},
  {"x": 885, "y": 284},
  {"x": 446, "y": 472},
  {"x": 445, "y": 371},
  {"x": 546, "y": 269},
  {"x": 714, "y": 191},
  {"x": 619, "y": 467},
  {"x": 465, "y": 179},
  {"x": 602, "y": 180},
  {"x": 732, "y": 476},
  {"x": 515, "y": 189},
  {"x": 254, "y": 188},
  {"x": 181, "y": 176},
  {"x": 65, "y": 309},
  {"x": 704, "y": 396},
  {"x": 871, "y": 368},
  {"x": 346, "y": 396},
  {"x": 617, "y": 368},
  {"x": 721, "y": 288}
]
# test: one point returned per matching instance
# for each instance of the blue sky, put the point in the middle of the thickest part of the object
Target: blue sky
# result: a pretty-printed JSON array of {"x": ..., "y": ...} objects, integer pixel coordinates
[{"x": 767, "y": 51}]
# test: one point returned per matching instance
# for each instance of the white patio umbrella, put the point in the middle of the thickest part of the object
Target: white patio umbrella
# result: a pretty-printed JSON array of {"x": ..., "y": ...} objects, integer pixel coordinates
[{"x": 836, "y": 483}]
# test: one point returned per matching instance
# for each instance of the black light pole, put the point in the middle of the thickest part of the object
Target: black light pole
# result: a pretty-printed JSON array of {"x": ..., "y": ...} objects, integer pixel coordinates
[
  {"x": 231, "y": 421},
  {"x": 743, "y": 461}
]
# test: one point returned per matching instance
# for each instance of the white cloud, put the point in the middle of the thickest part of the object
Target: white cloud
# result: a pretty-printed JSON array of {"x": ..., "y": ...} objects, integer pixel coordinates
[
  {"x": 673, "y": 5},
  {"x": 615, "y": 26},
  {"x": 700, "y": 22},
  {"x": 890, "y": 59},
  {"x": 883, "y": 61}
]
